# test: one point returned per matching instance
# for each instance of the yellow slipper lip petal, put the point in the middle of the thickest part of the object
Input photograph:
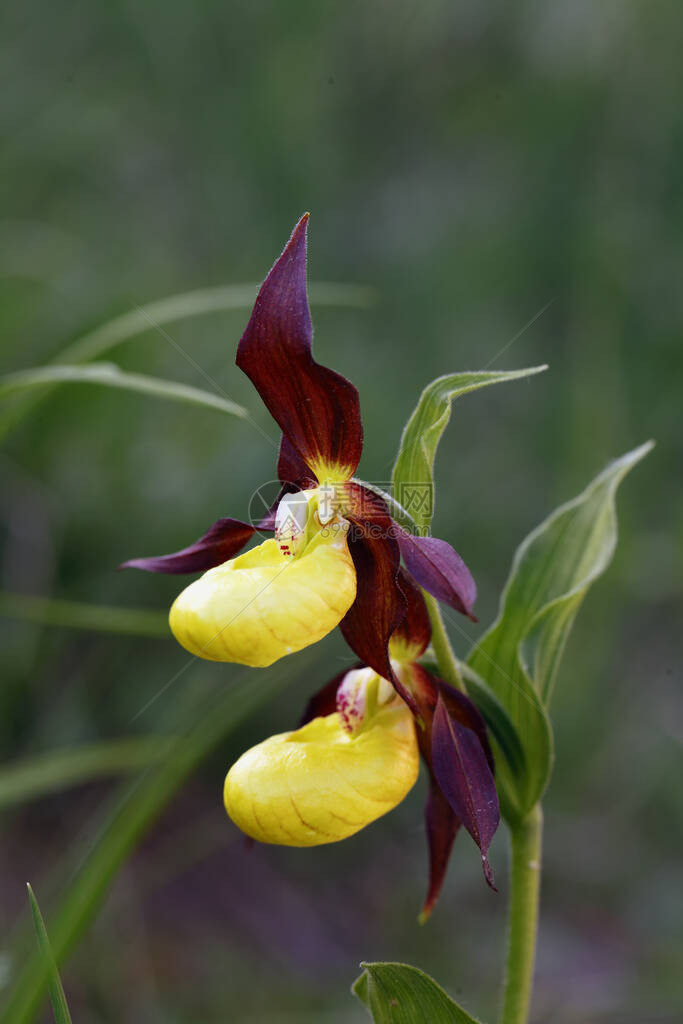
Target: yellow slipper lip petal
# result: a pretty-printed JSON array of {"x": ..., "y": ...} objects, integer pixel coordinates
[
  {"x": 320, "y": 784},
  {"x": 261, "y": 606}
]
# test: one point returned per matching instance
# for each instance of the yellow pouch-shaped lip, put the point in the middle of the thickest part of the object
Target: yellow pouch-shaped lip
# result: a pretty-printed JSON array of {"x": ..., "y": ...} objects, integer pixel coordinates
[
  {"x": 320, "y": 784},
  {"x": 262, "y": 605}
]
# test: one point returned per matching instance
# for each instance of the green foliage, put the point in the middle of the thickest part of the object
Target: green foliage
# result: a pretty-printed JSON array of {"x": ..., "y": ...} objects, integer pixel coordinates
[
  {"x": 400, "y": 994},
  {"x": 520, "y": 653},
  {"x": 42, "y": 774},
  {"x": 111, "y": 376},
  {"x": 57, "y": 997},
  {"x": 421, "y": 435},
  {"x": 81, "y": 615}
]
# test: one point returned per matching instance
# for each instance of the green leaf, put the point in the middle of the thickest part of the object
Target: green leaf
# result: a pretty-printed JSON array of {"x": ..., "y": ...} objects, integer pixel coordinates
[
  {"x": 520, "y": 653},
  {"x": 413, "y": 473},
  {"x": 79, "y": 615},
  {"x": 57, "y": 997},
  {"x": 154, "y": 315},
  {"x": 111, "y": 376},
  {"x": 134, "y": 811},
  {"x": 42, "y": 774},
  {"x": 401, "y": 994}
]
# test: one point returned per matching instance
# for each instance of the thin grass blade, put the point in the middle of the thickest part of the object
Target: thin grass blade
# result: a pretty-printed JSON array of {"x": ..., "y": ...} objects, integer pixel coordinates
[
  {"x": 155, "y": 315},
  {"x": 109, "y": 375},
  {"x": 80, "y": 615},
  {"x": 35, "y": 777},
  {"x": 57, "y": 996}
]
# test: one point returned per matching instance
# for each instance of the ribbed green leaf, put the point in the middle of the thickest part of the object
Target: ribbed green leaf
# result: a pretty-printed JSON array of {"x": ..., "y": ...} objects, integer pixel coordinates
[
  {"x": 111, "y": 376},
  {"x": 42, "y": 774},
  {"x": 401, "y": 994},
  {"x": 80, "y": 615},
  {"x": 57, "y": 997},
  {"x": 154, "y": 315},
  {"x": 134, "y": 811},
  {"x": 413, "y": 473},
  {"x": 520, "y": 653}
]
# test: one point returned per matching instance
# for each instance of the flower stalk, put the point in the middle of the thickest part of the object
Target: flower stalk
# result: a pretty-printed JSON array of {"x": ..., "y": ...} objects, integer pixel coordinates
[
  {"x": 525, "y": 883},
  {"x": 443, "y": 652},
  {"x": 525, "y": 861}
]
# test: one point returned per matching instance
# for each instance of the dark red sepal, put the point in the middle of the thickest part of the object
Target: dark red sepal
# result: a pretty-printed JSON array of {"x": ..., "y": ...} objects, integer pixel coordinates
[
  {"x": 463, "y": 710},
  {"x": 380, "y": 605},
  {"x": 427, "y": 688},
  {"x": 378, "y": 608},
  {"x": 316, "y": 408},
  {"x": 292, "y": 471},
  {"x": 411, "y": 637},
  {"x": 222, "y": 542},
  {"x": 463, "y": 774},
  {"x": 324, "y": 702},
  {"x": 442, "y": 826},
  {"x": 440, "y": 570}
]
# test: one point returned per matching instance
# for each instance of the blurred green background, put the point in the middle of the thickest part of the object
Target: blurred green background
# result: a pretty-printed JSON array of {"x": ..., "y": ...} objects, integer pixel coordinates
[{"x": 475, "y": 164}]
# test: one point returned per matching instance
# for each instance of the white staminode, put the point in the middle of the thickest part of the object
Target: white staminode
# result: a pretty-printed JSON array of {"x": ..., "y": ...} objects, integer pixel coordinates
[
  {"x": 290, "y": 522},
  {"x": 352, "y": 696}
]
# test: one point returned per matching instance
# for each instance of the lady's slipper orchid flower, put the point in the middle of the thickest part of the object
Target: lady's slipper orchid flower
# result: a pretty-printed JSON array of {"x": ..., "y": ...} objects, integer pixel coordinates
[
  {"x": 290, "y": 592},
  {"x": 208, "y": 617},
  {"x": 355, "y": 757},
  {"x": 333, "y": 776}
]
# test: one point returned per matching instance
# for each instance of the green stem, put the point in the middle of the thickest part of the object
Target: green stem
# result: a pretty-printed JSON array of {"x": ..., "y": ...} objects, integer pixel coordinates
[
  {"x": 525, "y": 879},
  {"x": 445, "y": 658}
]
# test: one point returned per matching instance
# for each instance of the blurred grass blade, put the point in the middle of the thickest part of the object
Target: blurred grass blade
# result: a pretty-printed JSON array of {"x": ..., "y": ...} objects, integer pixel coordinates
[
  {"x": 155, "y": 315},
  {"x": 197, "y": 303},
  {"x": 520, "y": 653},
  {"x": 80, "y": 615},
  {"x": 401, "y": 994},
  {"x": 413, "y": 473},
  {"x": 133, "y": 813},
  {"x": 109, "y": 375},
  {"x": 42, "y": 774},
  {"x": 57, "y": 997}
]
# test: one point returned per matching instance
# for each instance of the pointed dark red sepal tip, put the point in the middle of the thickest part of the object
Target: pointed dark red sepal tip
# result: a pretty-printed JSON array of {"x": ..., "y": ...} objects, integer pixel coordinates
[
  {"x": 222, "y": 542},
  {"x": 442, "y": 826},
  {"x": 463, "y": 774},
  {"x": 440, "y": 570},
  {"x": 317, "y": 409},
  {"x": 324, "y": 702},
  {"x": 380, "y": 605},
  {"x": 411, "y": 637}
]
